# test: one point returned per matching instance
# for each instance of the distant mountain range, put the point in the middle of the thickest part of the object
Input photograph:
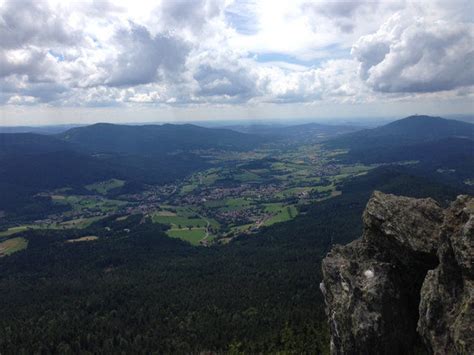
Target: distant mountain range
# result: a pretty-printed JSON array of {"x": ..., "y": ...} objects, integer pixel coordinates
[
  {"x": 28, "y": 143},
  {"x": 155, "y": 154},
  {"x": 444, "y": 149},
  {"x": 50, "y": 129},
  {"x": 151, "y": 139},
  {"x": 307, "y": 131},
  {"x": 410, "y": 130}
]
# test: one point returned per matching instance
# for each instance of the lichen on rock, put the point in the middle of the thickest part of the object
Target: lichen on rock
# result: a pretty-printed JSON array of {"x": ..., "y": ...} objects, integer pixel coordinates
[
  {"x": 407, "y": 281},
  {"x": 446, "y": 320}
]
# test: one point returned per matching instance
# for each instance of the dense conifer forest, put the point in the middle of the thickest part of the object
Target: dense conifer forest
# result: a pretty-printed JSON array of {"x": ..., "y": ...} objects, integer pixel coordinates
[{"x": 136, "y": 290}]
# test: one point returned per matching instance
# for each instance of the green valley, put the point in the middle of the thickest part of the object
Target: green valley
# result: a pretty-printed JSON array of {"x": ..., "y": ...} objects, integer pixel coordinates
[{"x": 216, "y": 248}]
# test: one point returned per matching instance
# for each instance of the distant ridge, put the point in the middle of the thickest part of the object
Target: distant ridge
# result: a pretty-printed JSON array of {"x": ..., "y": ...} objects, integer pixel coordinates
[
  {"x": 49, "y": 129},
  {"x": 112, "y": 138},
  {"x": 15, "y": 143},
  {"x": 428, "y": 127},
  {"x": 442, "y": 149},
  {"x": 306, "y": 129},
  {"x": 409, "y": 130}
]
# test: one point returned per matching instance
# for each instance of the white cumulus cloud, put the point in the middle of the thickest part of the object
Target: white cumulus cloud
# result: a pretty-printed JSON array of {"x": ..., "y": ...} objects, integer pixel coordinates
[
  {"x": 417, "y": 55},
  {"x": 240, "y": 53}
]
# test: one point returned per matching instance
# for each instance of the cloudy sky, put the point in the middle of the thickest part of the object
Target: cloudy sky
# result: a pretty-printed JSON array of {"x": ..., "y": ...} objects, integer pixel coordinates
[{"x": 183, "y": 60}]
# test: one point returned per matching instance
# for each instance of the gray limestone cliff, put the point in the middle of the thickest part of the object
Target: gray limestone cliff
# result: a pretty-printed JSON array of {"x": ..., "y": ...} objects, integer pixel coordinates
[{"x": 407, "y": 284}]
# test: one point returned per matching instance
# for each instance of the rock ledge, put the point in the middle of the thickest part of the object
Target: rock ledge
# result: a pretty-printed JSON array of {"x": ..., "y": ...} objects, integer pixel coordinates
[{"x": 407, "y": 283}]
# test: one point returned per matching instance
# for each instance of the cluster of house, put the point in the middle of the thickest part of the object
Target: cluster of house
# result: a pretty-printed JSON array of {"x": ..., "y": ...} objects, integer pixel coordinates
[{"x": 238, "y": 216}]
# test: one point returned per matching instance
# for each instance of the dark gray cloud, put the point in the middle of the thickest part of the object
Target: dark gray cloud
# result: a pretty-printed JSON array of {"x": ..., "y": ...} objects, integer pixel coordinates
[
  {"x": 418, "y": 56},
  {"x": 144, "y": 58},
  {"x": 341, "y": 13},
  {"x": 40, "y": 91},
  {"x": 27, "y": 22},
  {"x": 192, "y": 14},
  {"x": 32, "y": 63},
  {"x": 45, "y": 92},
  {"x": 101, "y": 8},
  {"x": 340, "y": 8},
  {"x": 236, "y": 84}
]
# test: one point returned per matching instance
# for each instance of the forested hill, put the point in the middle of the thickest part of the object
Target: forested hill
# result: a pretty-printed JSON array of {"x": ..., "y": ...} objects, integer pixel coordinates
[
  {"x": 31, "y": 143},
  {"x": 441, "y": 148},
  {"x": 409, "y": 130},
  {"x": 147, "y": 139},
  {"x": 426, "y": 128},
  {"x": 31, "y": 163}
]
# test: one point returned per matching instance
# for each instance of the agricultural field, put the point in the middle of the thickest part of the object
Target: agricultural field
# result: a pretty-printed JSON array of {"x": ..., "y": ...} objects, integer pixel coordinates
[
  {"x": 186, "y": 224},
  {"x": 294, "y": 191},
  {"x": 280, "y": 213},
  {"x": 78, "y": 223},
  {"x": 104, "y": 187},
  {"x": 180, "y": 221},
  {"x": 12, "y": 245},
  {"x": 251, "y": 190},
  {"x": 206, "y": 178},
  {"x": 240, "y": 193},
  {"x": 14, "y": 230},
  {"x": 245, "y": 228},
  {"x": 89, "y": 238},
  {"x": 89, "y": 203},
  {"x": 193, "y": 235},
  {"x": 182, "y": 217},
  {"x": 231, "y": 204}
]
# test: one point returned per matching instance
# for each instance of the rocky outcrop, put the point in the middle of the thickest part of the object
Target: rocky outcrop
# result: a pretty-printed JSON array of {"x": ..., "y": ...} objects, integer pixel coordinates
[
  {"x": 406, "y": 282},
  {"x": 446, "y": 320}
]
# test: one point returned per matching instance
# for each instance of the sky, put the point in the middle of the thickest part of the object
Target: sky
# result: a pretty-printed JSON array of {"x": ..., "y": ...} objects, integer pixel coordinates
[{"x": 184, "y": 60}]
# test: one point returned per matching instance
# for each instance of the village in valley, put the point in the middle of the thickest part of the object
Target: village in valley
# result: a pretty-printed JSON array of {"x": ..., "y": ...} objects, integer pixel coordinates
[{"x": 241, "y": 193}]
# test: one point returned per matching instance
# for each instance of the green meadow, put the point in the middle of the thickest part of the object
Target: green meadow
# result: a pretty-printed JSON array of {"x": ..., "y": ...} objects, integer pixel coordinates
[
  {"x": 105, "y": 186},
  {"x": 193, "y": 236},
  {"x": 13, "y": 245}
]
